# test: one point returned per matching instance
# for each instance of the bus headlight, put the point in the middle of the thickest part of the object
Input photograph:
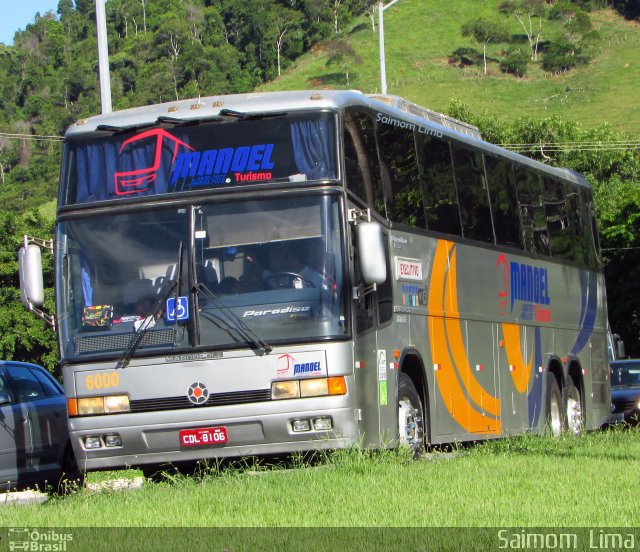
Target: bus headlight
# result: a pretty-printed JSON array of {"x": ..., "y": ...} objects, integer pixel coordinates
[
  {"x": 314, "y": 387},
  {"x": 285, "y": 389},
  {"x": 93, "y": 406}
]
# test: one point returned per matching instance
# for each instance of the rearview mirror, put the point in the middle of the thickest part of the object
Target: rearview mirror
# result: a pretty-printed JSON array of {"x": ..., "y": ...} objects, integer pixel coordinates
[
  {"x": 373, "y": 265},
  {"x": 30, "y": 272}
]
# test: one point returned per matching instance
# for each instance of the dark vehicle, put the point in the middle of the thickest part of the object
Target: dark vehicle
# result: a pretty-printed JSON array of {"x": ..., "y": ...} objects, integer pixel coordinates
[
  {"x": 34, "y": 439},
  {"x": 625, "y": 391}
]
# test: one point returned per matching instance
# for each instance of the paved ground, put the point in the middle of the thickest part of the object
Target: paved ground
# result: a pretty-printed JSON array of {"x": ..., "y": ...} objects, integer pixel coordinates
[{"x": 37, "y": 497}]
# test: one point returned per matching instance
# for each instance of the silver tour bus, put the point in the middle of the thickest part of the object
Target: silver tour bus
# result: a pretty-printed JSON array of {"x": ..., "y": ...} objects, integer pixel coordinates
[{"x": 278, "y": 272}]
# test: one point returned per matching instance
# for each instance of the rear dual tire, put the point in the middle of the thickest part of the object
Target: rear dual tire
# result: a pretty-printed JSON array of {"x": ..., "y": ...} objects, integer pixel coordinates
[{"x": 563, "y": 416}]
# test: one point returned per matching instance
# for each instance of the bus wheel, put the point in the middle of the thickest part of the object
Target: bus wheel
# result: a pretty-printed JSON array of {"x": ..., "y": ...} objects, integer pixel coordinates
[
  {"x": 554, "y": 407},
  {"x": 575, "y": 416},
  {"x": 410, "y": 419}
]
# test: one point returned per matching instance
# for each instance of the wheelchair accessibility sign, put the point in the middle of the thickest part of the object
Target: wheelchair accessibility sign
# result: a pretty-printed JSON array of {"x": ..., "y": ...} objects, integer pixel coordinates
[{"x": 179, "y": 313}]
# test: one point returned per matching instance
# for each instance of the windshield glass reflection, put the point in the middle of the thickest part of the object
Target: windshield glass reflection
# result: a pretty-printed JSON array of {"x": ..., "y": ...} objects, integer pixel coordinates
[{"x": 244, "y": 274}]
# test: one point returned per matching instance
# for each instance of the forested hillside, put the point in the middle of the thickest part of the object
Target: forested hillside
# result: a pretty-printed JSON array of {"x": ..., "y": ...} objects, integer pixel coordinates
[
  {"x": 160, "y": 50},
  {"x": 543, "y": 76}
]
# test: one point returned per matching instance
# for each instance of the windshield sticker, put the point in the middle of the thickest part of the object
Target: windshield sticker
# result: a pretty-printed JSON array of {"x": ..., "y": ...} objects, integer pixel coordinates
[
  {"x": 181, "y": 313},
  {"x": 188, "y": 167},
  {"x": 524, "y": 286},
  {"x": 213, "y": 166},
  {"x": 141, "y": 180}
]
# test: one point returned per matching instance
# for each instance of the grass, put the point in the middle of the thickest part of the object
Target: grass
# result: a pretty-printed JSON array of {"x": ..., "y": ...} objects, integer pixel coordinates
[
  {"x": 590, "y": 481},
  {"x": 420, "y": 37}
]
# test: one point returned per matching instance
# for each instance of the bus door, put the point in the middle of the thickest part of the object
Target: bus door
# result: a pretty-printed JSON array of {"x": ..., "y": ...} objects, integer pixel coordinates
[
  {"x": 481, "y": 376},
  {"x": 373, "y": 311},
  {"x": 520, "y": 376}
]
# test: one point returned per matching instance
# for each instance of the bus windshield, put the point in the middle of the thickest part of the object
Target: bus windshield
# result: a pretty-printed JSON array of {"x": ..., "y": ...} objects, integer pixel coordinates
[
  {"x": 181, "y": 157},
  {"x": 214, "y": 275}
]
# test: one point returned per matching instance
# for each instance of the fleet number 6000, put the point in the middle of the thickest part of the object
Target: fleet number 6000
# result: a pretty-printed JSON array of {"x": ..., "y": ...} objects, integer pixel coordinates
[{"x": 103, "y": 381}]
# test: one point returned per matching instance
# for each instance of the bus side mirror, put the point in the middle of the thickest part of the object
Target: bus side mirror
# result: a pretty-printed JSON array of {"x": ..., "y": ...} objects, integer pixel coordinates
[
  {"x": 373, "y": 264},
  {"x": 30, "y": 272}
]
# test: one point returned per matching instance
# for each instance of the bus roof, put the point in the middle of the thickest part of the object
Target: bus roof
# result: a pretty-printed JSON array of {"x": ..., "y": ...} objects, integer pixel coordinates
[{"x": 268, "y": 102}]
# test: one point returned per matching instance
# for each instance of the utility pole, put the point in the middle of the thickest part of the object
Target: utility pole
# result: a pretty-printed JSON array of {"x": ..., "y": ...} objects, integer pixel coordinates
[
  {"x": 103, "y": 57},
  {"x": 383, "y": 71}
]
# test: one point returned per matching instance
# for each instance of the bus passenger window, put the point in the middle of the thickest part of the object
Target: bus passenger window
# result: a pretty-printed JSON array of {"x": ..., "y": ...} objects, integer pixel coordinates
[
  {"x": 362, "y": 173},
  {"x": 504, "y": 201},
  {"x": 576, "y": 223},
  {"x": 401, "y": 184},
  {"x": 441, "y": 201},
  {"x": 473, "y": 197},
  {"x": 595, "y": 258},
  {"x": 555, "y": 207},
  {"x": 532, "y": 217}
]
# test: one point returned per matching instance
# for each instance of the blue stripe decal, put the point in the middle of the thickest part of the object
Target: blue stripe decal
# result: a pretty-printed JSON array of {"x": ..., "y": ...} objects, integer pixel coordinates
[{"x": 589, "y": 296}]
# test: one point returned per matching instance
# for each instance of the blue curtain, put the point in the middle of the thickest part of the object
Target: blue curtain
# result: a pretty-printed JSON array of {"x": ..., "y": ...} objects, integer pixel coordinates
[{"x": 313, "y": 148}]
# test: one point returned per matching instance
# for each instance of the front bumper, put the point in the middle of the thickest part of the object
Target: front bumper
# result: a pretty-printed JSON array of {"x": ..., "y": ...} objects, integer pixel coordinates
[{"x": 257, "y": 429}]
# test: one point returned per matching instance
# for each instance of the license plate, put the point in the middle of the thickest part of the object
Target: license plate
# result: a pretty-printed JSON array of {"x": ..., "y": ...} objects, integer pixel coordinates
[{"x": 204, "y": 436}]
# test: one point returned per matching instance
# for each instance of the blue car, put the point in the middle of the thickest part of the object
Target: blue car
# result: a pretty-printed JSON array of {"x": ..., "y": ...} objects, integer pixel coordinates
[
  {"x": 35, "y": 450},
  {"x": 625, "y": 391}
]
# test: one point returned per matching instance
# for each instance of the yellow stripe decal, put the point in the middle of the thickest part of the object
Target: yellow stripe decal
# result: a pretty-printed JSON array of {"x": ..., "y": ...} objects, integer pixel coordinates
[
  {"x": 446, "y": 335},
  {"x": 521, "y": 370}
]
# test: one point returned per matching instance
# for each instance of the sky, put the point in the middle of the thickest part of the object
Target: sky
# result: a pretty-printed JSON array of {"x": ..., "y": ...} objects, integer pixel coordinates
[{"x": 17, "y": 14}]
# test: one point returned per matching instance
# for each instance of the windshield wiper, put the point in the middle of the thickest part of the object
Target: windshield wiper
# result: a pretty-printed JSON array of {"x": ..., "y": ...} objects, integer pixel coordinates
[
  {"x": 119, "y": 129},
  {"x": 184, "y": 122},
  {"x": 250, "y": 116},
  {"x": 253, "y": 338},
  {"x": 163, "y": 295}
]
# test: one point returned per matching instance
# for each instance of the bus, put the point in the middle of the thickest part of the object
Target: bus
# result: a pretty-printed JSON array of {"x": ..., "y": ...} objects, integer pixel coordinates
[{"x": 269, "y": 273}]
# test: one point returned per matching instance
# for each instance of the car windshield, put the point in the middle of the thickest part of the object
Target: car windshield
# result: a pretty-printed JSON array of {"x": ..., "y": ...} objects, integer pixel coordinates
[
  {"x": 625, "y": 374},
  {"x": 218, "y": 275}
]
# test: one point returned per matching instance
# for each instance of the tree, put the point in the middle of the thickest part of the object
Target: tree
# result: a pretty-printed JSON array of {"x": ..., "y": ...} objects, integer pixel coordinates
[
  {"x": 342, "y": 55},
  {"x": 515, "y": 62},
  {"x": 483, "y": 31},
  {"x": 23, "y": 336},
  {"x": 525, "y": 12}
]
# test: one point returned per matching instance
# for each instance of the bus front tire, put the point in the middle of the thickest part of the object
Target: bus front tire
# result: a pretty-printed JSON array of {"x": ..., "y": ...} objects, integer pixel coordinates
[{"x": 410, "y": 416}]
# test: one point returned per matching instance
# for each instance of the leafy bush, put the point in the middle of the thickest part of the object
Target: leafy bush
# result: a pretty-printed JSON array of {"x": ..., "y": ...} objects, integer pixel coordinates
[
  {"x": 465, "y": 56},
  {"x": 563, "y": 55},
  {"x": 516, "y": 62}
]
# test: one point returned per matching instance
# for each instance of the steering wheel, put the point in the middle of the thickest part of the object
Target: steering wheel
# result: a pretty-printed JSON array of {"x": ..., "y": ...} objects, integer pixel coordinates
[{"x": 287, "y": 280}]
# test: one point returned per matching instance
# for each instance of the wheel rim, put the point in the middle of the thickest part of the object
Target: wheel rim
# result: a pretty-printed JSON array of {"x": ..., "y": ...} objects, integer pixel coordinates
[
  {"x": 409, "y": 420},
  {"x": 574, "y": 415},
  {"x": 555, "y": 419}
]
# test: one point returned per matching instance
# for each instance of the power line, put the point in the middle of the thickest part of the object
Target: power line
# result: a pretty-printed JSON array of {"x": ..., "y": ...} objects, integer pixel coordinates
[
  {"x": 574, "y": 146},
  {"x": 36, "y": 137}
]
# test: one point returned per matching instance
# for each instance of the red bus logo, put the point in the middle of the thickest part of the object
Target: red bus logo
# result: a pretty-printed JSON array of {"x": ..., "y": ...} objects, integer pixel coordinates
[{"x": 140, "y": 180}]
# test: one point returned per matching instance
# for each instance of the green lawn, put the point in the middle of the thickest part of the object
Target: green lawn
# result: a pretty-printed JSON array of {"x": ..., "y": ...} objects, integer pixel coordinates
[
  {"x": 420, "y": 36},
  {"x": 590, "y": 481}
]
